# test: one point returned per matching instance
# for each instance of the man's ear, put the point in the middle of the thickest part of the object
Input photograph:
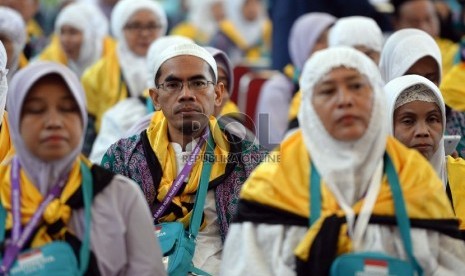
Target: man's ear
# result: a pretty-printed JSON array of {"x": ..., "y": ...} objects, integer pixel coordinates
[
  {"x": 154, "y": 96},
  {"x": 219, "y": 90}
]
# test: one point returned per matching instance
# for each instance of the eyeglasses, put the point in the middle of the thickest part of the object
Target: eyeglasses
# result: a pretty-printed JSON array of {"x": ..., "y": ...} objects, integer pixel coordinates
[
  {"x": 177, "y": 85},
  {"x": 136, "y": 27}
]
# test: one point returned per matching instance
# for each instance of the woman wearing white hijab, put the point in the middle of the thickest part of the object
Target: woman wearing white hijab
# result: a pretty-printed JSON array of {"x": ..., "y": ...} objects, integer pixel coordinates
[
  {"x": 117, "y": 120},
  {"x": 360, "y": 32},
  {"x": 344, "y": 142},
  {"x": 6, "y": 145},
  {"x": 417, "y": 116},
  {"x": 245, "y": 33},
  {"x": 123, "y": 73},
  {"x": 202, "y": 22},
  {"x": 308, "y": 34},
  {"x": 13, "y": 36},
  {"x": 413, "y": 51},
  {"x": 81, "y": 38},
  {"x": 47, "y": 121}
]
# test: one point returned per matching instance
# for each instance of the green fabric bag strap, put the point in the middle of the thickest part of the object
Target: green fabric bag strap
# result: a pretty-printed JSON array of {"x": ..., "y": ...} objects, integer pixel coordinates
[
  {"x": 402, "y": 219},
  {"x": 201, "y": 194},
  {"x": 87, "y": 192}
]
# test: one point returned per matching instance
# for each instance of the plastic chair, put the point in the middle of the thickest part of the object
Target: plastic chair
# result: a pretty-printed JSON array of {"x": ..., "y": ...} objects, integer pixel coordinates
[{"x": 249, "y": 91}]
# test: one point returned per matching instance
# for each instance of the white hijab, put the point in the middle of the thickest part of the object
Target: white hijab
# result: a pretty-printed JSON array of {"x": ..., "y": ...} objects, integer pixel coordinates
[
  {"x": 133, "y": 66},
  {"x": 394, "y": 90},
  {"x": 252, "y": 31},
  {"x": 43, "y": 174},
  {"x": 94, "y": 27},
  {"x": 3, "y": 80},
  {"x": 200, "y": 15},
  {"x": 13, "y": 27},
  {"x": 405, "y": 47},
  {"x": 345, "y": 166},
  {"x": 356, "y": 30}
]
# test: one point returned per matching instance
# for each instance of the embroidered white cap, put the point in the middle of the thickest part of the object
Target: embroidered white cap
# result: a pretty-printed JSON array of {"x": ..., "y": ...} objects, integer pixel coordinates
[{"x": 185, "y": 49}]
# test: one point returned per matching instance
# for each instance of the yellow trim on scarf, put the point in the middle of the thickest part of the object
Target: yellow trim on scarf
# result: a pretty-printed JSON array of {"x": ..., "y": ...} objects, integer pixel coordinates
[
  {"x": 448, "y": 50},
  {"x": 230, "y": 108},
  {"x": 6, "y": 144},
  {"x": 158, "y": 137},
  {"x": 252, "y": 52},
  {"x": 455, "y": 173},
  {"x": 189, "y": 30},
  {"x": 103, "y": 86},
  {"x": 271, "y": 185},
  {"x": 33, "y": 29},
  {"x": 289, "y": 71},
  {"x": 31, "y": 199},
  {"x": 23, "y": 62},
  {"x": 295, "y": 106},
  {"x": 452, "y": 88}
]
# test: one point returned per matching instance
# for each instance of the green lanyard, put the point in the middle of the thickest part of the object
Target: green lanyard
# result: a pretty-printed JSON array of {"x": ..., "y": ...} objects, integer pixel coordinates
[{"x": 402, "y": 219}]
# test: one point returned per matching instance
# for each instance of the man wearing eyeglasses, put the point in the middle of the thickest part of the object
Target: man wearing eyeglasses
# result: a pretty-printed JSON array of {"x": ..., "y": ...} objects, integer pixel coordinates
[{"x": 187, "y": 91}]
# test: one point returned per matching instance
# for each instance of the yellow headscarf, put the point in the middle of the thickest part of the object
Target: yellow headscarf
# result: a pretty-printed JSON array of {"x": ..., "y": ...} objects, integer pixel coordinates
[{"x": 158, "y": 137}]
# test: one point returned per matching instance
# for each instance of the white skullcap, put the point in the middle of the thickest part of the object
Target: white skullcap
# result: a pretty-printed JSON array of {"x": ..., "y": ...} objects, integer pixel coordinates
[
  {"x": 186, "y": 49},
  {"x": 354, "y": 31},
  {"x": 157, "y": 47},
  {"x": 124, "y": 9}
]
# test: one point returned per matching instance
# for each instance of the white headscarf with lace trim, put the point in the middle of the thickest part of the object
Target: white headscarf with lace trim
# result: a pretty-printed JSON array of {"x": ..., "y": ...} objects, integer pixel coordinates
[{"x": 404, "y": 89}]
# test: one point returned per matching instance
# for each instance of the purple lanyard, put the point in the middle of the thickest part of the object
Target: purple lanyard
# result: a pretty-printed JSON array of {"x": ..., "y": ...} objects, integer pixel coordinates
[
  {"x": 179, "y": 181},
  {"x": 18, "y": 237}
]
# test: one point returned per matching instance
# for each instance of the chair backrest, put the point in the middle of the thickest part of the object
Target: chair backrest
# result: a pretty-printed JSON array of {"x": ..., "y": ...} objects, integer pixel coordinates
[
  {"x": 249, "y": 91},
  {"x": 240, "y": 70}
]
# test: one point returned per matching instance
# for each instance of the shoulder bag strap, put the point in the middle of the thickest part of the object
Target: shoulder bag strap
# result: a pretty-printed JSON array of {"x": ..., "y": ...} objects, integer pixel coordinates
[
  {"x": 87, "y": 193},
  {"x": 403, "y": 221},
  {"x": 199, "y": 203}
]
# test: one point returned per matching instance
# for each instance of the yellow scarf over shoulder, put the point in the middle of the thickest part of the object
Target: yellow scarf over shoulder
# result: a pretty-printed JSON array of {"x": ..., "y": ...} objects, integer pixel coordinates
[
  {"x": 295, "y": 106},
  {"x": 158, "y": 137},
  {"x": 455, "y": 176},
  {"x": 31, "y": 199},
  {"x": 6, "y": 144},
  {"x": 252, "y": 52},
  {"x": 285, "y": 185}
]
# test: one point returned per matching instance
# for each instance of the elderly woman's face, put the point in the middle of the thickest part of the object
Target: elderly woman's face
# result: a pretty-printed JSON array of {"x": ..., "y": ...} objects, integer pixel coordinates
[
  {"x": 418, "y": 125},
  {"x": 343, "y": 100},
  {"x": 51, "y": 124},
  {"x": 142, "y": 28}
]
